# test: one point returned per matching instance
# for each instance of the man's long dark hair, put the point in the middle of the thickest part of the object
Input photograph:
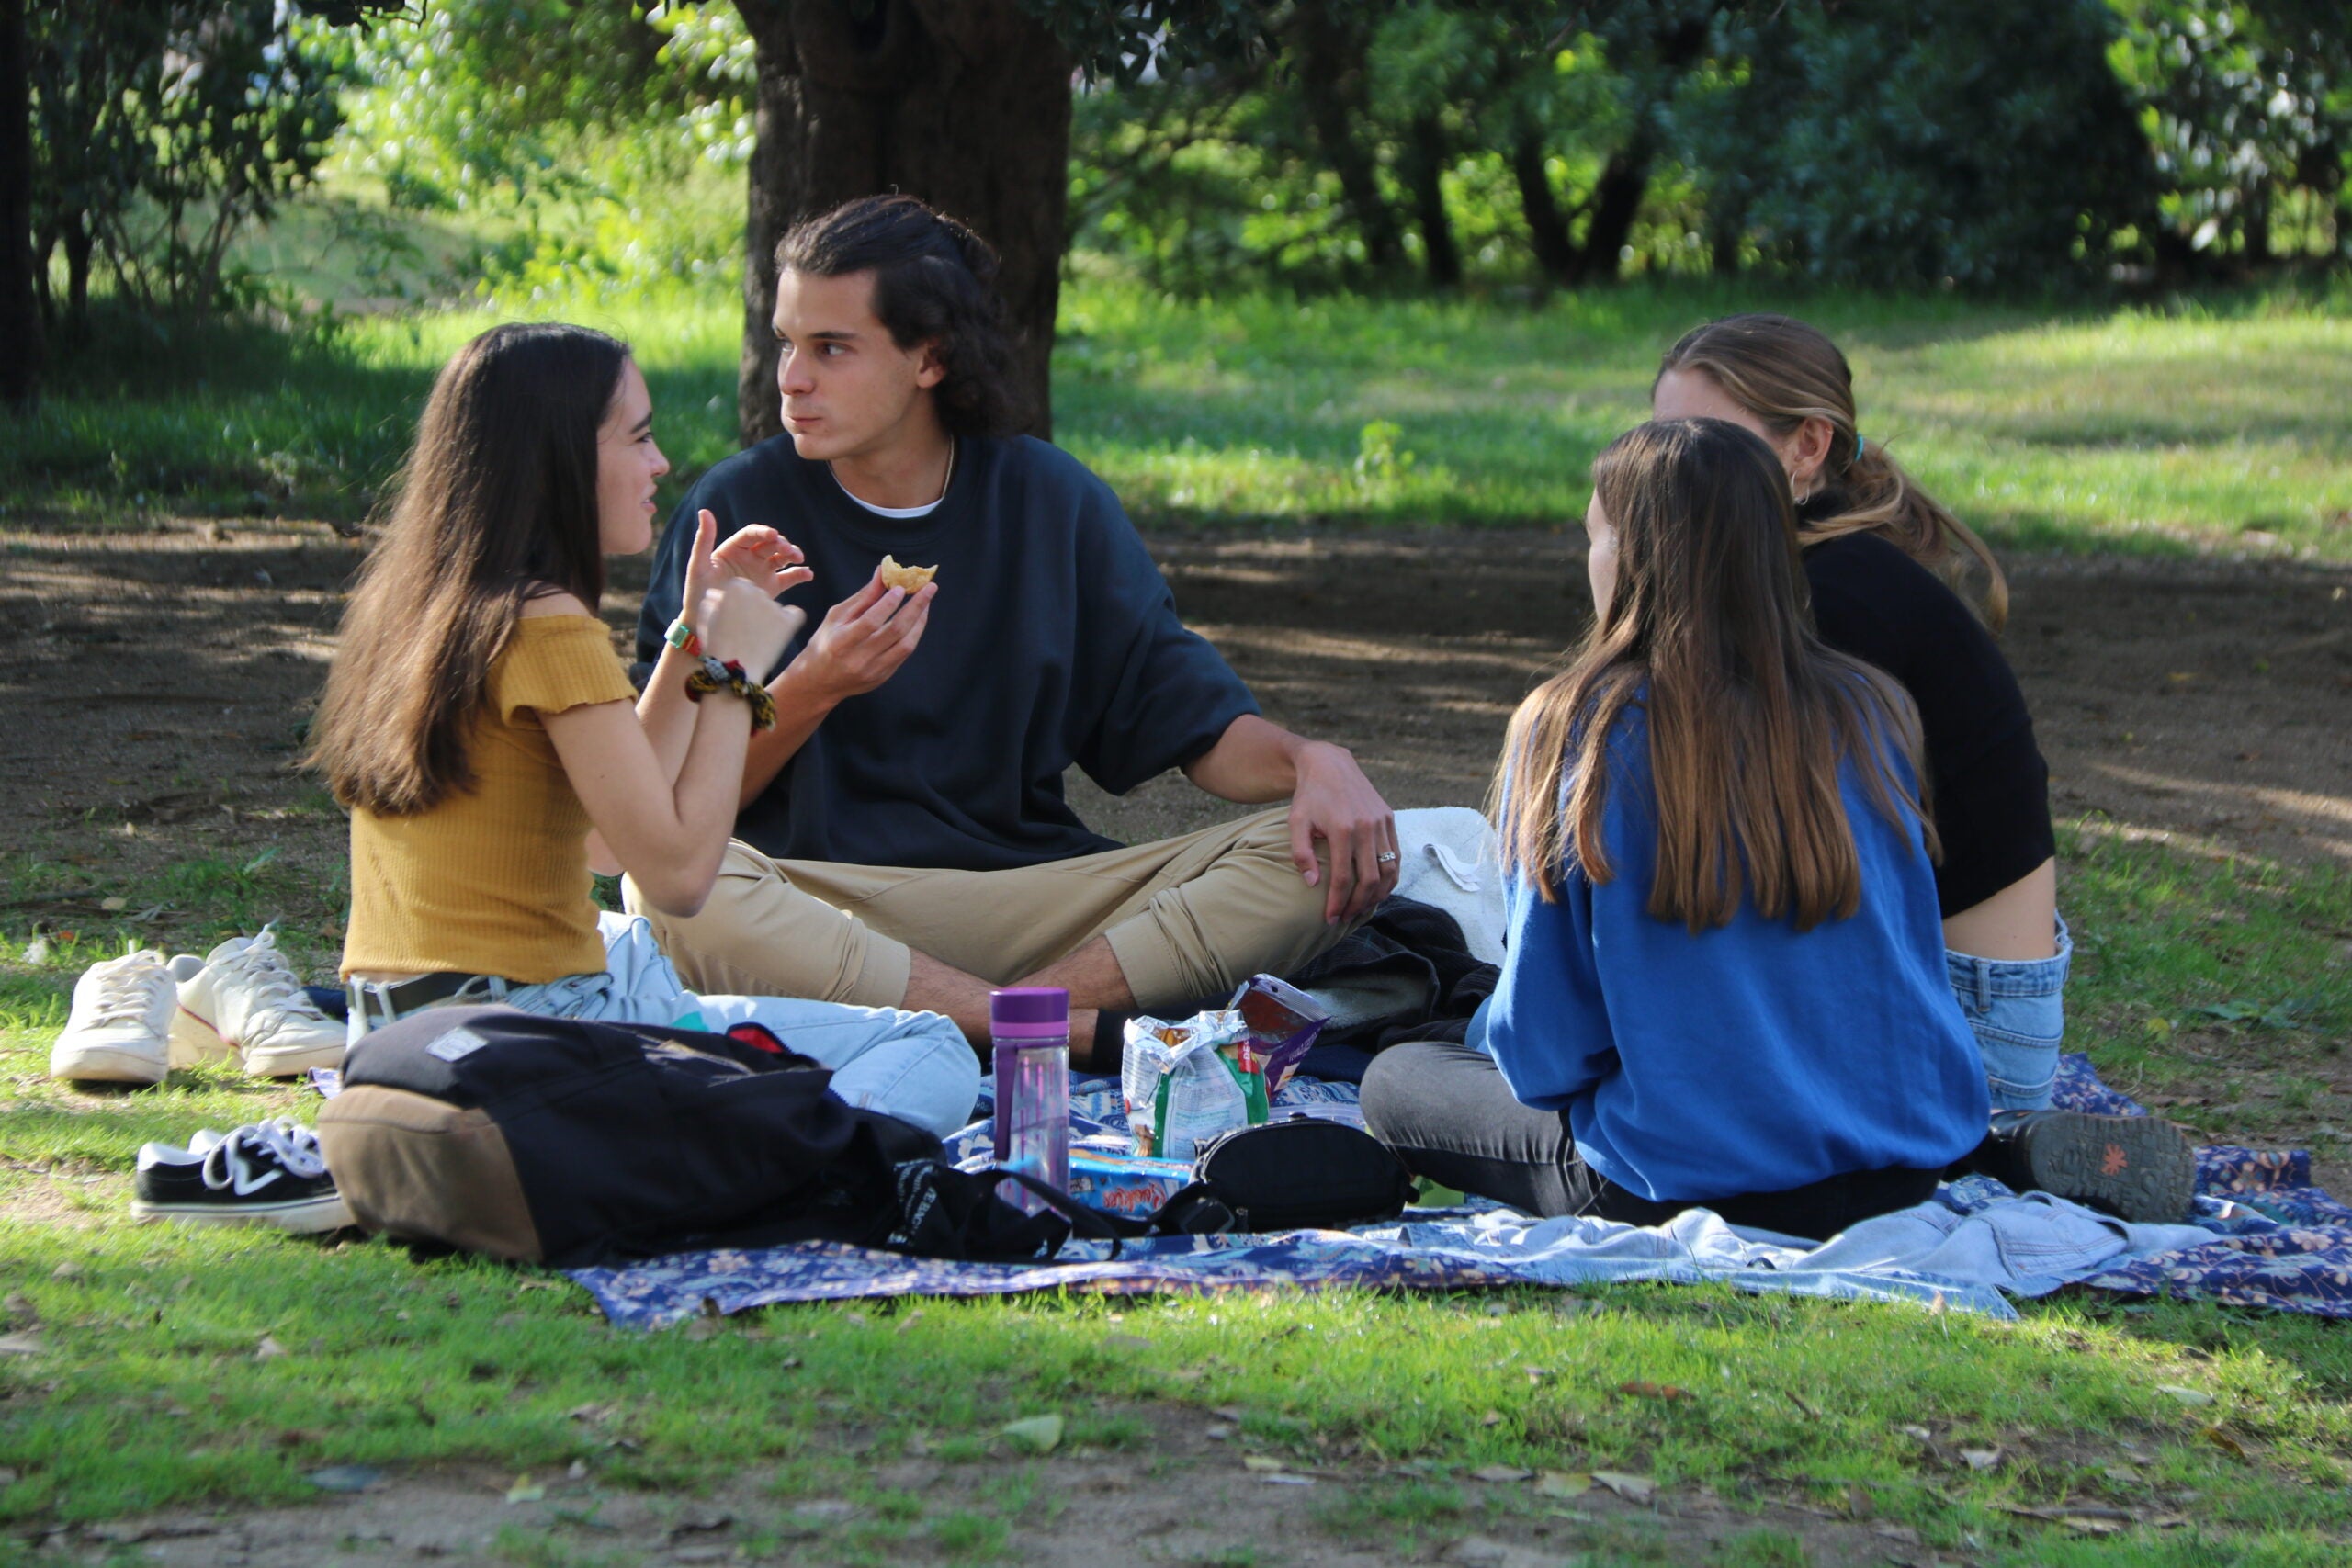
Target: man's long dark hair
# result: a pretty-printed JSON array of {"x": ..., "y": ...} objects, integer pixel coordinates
[
  {"x": 1750, "y": 714},
  {"x": 934, "y": 281},
  {"x": 497, "y": 503}
]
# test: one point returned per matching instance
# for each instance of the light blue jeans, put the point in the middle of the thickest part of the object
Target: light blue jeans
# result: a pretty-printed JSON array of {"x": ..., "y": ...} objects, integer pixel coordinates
[
  {"x": 2018, "y": 1007},
  {"x": 913, "y": 1066}
]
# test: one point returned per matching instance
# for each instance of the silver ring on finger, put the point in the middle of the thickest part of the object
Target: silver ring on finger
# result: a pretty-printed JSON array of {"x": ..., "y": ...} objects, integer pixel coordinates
[{"x": 1385, "y": 857}]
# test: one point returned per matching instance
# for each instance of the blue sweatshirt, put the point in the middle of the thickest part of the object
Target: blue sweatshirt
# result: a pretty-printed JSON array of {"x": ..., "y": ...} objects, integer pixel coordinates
[{"x": 1751, "y": 1057}]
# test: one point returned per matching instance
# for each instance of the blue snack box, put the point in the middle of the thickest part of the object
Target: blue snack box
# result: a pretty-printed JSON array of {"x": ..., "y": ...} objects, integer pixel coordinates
[{"x": 1127, "y": 1184}]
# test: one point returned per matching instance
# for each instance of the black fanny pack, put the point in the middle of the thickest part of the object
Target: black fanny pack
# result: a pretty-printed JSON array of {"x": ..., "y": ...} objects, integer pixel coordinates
[{"x": 1299, "y": 1174}]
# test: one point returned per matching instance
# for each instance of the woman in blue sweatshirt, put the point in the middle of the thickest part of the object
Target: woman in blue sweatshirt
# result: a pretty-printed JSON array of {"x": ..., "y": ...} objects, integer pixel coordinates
[{"x": 1724, "y": 986}]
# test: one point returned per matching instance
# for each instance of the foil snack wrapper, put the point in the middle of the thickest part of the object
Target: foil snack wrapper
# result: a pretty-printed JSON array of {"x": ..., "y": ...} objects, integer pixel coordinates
[{"x": 1187, "y": 1083}]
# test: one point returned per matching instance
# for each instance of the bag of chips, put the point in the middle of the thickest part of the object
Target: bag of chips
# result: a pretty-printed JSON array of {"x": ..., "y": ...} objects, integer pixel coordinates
[{"x": 1186, "y": 1084}]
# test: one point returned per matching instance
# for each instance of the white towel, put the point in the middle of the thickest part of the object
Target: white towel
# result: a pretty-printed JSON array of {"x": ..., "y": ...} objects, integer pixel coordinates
[{"x": 1447, "y": 858}]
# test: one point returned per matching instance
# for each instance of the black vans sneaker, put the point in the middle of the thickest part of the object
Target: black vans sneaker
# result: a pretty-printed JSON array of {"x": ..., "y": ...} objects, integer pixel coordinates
[
  {"x": 266, "y": 1173},
  {"x": 2135, "y": 1168}
]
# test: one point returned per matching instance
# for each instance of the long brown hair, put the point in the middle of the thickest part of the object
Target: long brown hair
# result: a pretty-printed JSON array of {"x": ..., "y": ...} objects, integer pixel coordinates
[
  {"x": 1785, "y": 372},
  {"x": 496, "y": 504},
  {"x": 1750, "y": 714}
]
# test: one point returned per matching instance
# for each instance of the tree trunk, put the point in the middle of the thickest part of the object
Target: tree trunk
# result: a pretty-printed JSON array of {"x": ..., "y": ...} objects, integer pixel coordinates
[
  {"x": 2255, "y": 223},
  {"x": 1616, "y": 202},
  {"x": 1330, "y": 63},
  {"x": 963, "y": 103},
  {"x": 1439, "y": 254},
  {"x": 1726, "y": 224},
  {"x": 1555, "y": 251},
  {"x": 76, "y": 237},
  {"x": 19, "y": 302}
]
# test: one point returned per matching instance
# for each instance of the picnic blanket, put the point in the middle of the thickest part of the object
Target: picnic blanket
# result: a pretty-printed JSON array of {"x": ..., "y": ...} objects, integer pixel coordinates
[{"x": 2262, "y": 1236}]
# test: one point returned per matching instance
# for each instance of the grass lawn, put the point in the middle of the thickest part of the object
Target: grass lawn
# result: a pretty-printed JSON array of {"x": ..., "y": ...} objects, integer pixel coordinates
[
  {"x": 2206, "y": 423},
  {"x": 143, "y": 1368},
  {"x": 152, "y": 1366}
]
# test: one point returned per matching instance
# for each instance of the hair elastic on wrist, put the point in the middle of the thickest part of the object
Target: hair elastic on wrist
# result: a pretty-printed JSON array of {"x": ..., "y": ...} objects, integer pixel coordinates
[{"x": 715, "y": 676}]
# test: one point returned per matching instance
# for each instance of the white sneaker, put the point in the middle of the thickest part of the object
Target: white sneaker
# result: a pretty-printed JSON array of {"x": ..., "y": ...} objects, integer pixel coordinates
[
  {"x": 243, "y": 999},
  {"x": 118, "y": 1030}
]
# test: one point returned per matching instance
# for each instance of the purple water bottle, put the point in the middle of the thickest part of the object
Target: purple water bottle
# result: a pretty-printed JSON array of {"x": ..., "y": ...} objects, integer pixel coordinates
[{"x": 1029, "y": 1028}]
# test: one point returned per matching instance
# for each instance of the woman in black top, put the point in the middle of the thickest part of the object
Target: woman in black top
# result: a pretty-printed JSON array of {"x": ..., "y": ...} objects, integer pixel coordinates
[{"x": 1886, "y": 563}]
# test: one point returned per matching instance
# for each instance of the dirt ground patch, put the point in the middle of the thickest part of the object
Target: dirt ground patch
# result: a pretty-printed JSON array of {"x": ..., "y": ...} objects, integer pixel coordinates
[
  {"x": 154, "y": 685},
  {"x": 1188, "y": 1496}
]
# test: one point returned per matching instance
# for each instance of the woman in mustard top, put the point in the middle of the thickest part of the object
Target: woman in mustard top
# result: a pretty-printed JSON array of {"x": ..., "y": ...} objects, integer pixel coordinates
[{"x": 478, "y": 725}]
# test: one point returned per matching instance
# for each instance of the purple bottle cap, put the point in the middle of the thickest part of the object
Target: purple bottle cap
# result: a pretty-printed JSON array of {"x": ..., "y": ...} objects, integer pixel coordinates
[{"x": 1029, "y": 1009}]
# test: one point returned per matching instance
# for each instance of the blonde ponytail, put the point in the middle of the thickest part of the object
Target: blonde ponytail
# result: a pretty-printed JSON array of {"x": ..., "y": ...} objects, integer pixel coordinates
[
  {"x": 1784, "y": 373},
  {"x": 1884, "y": 499}
]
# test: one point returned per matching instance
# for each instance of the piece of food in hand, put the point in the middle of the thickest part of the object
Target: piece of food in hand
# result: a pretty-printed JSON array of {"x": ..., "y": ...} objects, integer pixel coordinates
[{"x": 911, "y": 577}]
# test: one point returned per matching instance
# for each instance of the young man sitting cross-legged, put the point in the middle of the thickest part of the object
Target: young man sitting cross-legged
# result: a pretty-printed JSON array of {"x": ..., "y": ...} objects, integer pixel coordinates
[{"x": 903, "y": 840}]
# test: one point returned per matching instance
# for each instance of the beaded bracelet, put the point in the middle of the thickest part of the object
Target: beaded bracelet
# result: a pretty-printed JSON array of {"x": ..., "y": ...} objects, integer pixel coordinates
[
  {"x": 682, "y": 637},
  {"x": 729, "y": 677}
]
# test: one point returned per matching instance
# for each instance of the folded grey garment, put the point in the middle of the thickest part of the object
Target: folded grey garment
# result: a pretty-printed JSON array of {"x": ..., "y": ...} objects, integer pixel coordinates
[
  {"x": 1446, "y": 858},
  {"x": 1355, "y": 1001}
]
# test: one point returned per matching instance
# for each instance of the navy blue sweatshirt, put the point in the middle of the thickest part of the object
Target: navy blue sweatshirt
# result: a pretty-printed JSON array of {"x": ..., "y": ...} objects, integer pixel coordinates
[
  {"x": 1053, "y": 640},
  {"x": 1751, "y": 1057}
]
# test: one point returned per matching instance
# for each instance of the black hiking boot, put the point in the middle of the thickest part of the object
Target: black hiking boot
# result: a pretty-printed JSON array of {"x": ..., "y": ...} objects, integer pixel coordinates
[{"x": 2135, "y": 1168}]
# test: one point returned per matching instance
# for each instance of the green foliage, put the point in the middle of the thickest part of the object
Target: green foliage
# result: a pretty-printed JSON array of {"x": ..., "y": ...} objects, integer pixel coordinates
[
  {"x": 160, "y": 129},
  {"x": 581, "y": 141},
  {"x": 1124, "y": 40},
  {"x": 1198, "y": 184},
  {"x": 2241, "y": 102},
  {"x": 1199, "y": 180},
  {"x": 1223, "y": 143},
  {"x": 1988, "y": 145},
  {"x": 473, "y": 98},
  {"x": 1982, "y": 142}
]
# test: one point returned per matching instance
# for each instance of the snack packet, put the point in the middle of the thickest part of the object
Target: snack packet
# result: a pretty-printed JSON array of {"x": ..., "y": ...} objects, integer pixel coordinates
[
  {"x": 1186, "y": 1083},
  {"x": 1283, "y": 1020}
]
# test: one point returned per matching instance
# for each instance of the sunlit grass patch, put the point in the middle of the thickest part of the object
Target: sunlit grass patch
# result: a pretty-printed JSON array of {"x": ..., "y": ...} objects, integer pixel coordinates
[
  {"x": 219, "y": 1366},
  {"x": 2131, "y": 429},
  {"x": 2171, "y": 944},
  {"x": 2207, "y": 424}
]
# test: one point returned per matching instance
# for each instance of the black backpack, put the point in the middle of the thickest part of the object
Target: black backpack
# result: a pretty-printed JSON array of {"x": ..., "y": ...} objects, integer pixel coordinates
[{"x": 573, "y": 1143}]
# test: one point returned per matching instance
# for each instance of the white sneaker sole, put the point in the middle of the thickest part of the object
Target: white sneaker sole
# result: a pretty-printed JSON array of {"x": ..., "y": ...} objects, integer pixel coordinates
[
  {"x": 310, "y": 1215},
  {"x": 292, "y": 1061},
  {"x": 195, "y": 1041},
  {"x": 107, "y": 1064}
]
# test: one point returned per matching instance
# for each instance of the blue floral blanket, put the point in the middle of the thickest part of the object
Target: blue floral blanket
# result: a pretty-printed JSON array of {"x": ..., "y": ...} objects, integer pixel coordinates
[{"x": 2263, "y": 1236}]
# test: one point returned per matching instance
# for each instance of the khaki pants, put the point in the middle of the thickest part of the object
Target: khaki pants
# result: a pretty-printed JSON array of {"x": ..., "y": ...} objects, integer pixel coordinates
[{"x": 1188, "y": 919}]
